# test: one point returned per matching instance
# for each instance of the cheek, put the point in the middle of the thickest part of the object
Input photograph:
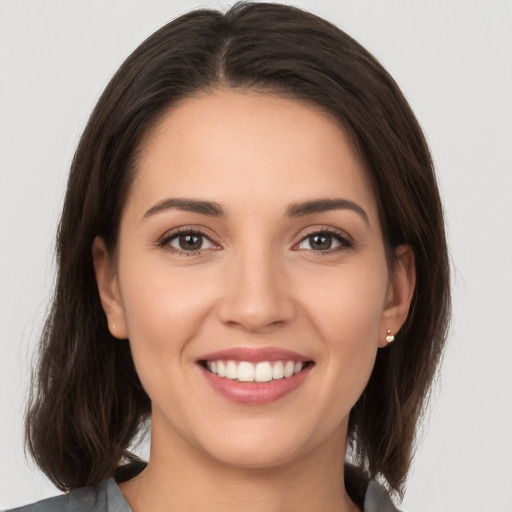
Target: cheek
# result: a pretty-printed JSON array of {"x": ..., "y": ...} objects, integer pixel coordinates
[
  {"x": 346, "y": 314},
  {"x": 164, "y": 310},
  {"x": 348, "y": 304}
]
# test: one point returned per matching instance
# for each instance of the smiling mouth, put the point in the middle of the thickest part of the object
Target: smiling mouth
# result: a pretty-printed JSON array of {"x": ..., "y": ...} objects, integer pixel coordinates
[{"x": 263, "y": 371}]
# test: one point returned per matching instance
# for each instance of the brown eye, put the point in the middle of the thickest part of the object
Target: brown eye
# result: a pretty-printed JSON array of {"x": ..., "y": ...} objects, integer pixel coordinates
[
  {"x": 320, "y": 242},
  {"x": 189, "y": 242},
  {"x": 324, "y": 241}
]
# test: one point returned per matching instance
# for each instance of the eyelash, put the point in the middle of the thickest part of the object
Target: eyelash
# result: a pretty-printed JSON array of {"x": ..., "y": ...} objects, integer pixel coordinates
[
  {"x": 340, "y": 236},
  {"x": 164, "y": 242},
  {"x": 344, "y": 240}
]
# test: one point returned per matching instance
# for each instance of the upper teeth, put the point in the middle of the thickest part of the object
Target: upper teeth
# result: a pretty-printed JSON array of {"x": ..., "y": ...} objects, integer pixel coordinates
[{"x": 245, "y": 371}]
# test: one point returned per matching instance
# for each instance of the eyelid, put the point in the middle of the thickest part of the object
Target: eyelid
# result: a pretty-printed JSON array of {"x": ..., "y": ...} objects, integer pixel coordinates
[
  {"x": 346, "y": 241},
  {"x": 164, "y": 240}
]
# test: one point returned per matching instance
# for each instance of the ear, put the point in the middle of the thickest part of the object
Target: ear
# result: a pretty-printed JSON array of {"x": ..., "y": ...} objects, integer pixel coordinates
[
  {"x": 108, "y": 287},
  {"x": 399, "y": 293}
]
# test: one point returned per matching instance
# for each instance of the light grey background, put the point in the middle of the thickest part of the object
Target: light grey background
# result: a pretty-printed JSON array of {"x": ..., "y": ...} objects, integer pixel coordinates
[{"x": 453, "y": 60}]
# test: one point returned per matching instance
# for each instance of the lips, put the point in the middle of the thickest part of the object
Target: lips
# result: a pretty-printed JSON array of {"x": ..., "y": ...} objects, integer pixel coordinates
[
  {"x": 254, "y": 355},
  {"x": 254, "y": 376}
]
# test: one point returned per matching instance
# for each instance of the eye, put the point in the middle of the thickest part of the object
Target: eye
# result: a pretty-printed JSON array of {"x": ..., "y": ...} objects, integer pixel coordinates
[
  {"x": 187, "y": 241},
  {"x": 325, "y": 241}
]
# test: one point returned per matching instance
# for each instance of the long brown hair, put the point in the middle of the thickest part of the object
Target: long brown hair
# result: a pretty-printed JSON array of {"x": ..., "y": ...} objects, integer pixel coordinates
[{"x": 88, "y": 403}]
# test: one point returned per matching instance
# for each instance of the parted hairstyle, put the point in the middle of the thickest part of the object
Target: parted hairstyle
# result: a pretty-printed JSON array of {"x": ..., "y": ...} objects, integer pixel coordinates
[{"x": 87, "y": 403}]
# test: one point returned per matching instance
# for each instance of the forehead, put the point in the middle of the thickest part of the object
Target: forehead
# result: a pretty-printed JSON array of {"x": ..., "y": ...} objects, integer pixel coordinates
[{"x": 248, "y": 148}]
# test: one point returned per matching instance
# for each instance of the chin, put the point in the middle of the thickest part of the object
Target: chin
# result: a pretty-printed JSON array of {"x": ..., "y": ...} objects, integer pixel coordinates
[
  {"x": 247, "y": 455},
  {"x": 253, "y": 444}
]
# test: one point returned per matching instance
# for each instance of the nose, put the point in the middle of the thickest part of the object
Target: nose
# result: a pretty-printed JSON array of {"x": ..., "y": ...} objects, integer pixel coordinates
[{"x": 257, "y": 295}]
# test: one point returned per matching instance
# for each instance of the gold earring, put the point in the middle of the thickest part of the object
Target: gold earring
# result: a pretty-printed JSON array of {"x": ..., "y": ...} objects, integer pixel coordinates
[{"x": 389, "y": 337}]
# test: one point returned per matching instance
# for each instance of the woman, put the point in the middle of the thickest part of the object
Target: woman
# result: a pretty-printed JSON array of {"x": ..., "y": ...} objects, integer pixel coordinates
[{"x": 251, "y": 254}]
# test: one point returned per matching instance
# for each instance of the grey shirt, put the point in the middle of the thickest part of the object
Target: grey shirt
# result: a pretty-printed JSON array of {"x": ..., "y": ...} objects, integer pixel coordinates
[{"x": 109, "y": 498}]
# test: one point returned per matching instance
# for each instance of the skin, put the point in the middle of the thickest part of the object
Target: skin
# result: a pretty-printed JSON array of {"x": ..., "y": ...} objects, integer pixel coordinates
[{"x": 256, "y": 282}]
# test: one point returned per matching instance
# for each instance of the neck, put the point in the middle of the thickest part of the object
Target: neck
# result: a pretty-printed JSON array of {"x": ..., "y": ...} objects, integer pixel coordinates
[{"x": 180, "y": 478}]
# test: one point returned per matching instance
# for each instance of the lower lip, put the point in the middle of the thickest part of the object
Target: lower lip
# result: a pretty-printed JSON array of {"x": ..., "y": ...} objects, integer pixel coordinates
[{"x": 255, "y": 393}]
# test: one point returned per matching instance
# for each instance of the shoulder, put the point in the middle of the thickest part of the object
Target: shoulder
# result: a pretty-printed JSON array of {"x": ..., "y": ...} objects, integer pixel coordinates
[
  {"x": 104, "y": 498},
  {"x": 79, "y": 500}
]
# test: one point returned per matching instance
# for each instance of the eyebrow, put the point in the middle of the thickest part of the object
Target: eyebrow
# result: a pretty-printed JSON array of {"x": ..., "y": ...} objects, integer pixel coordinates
[
  {"x": 294, "y": 210},
  {"x": 188, "y": 205},
  {"x": 323, "y": 205}
]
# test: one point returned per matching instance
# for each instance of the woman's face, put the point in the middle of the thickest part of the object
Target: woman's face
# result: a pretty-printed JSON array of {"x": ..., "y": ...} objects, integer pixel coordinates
[{"x": 250, "y": 245}]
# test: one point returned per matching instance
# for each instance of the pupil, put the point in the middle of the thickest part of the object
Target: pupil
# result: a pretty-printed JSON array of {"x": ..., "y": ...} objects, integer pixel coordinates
[
  {"x": 190, "y": 242},
  {"x": 321, "y": 241}
]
